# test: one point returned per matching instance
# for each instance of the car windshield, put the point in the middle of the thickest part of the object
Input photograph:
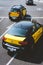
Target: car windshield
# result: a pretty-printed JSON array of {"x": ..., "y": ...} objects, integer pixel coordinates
[{"x": 19, "y": 29}]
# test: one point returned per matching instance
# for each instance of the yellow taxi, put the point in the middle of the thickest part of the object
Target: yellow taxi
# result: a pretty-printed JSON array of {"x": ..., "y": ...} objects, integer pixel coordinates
[
  {"x": 22, "y": 36},
  {"x": 17, "y": 12}
]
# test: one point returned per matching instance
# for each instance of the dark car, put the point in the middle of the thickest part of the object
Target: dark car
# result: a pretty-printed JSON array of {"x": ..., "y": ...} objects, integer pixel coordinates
[
  {"x": 17, "y": 12},
  {"x": 23, "y": 35},
  {"x": 29, "y": 2}
]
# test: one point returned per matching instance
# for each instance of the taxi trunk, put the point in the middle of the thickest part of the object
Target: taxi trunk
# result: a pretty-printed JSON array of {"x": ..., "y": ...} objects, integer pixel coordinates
[
  {"x": 14, "y": 14},
  {"x": 13, "y": 40}
]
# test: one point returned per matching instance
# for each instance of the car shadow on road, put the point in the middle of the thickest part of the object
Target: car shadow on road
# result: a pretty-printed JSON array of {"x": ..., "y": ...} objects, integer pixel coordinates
[
  {"x": 32, "y": 5},
  {"x": 35, "y": 57}
]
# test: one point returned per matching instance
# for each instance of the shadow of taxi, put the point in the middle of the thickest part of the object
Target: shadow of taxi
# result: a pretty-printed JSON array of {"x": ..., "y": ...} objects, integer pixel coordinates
[{"x": 35, "y": 57}]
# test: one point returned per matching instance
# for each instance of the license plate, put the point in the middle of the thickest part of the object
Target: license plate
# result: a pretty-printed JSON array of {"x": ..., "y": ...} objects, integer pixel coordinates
[{"x": 11, "y": 49}]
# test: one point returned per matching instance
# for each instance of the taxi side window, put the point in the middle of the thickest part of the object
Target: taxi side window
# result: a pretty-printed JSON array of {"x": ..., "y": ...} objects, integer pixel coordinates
[
  {"x": 32, "y": 30},
  {"x": 35, "y": 27}
]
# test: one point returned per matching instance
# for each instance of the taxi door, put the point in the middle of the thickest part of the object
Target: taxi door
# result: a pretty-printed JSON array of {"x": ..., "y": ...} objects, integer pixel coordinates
[{"x": 37, "y": 34}]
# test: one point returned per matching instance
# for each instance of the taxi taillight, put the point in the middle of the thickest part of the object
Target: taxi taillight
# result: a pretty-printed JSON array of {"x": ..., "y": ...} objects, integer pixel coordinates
[
  {"x": 4, "y": 38},
  {"x": 9, "y": 13},
  {"x": 18, "y": 12},
  {"x": 23, "y": 43}
]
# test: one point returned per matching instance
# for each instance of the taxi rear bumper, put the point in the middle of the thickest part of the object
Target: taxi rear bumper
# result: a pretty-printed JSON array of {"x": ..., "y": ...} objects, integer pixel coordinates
[{"x": 12, "y": 48}]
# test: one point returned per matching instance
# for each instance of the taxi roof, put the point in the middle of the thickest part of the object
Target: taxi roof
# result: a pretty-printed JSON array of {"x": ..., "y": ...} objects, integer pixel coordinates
[
  {"x": 25, "y": 23},
  {"x": 17, "y": 6}
]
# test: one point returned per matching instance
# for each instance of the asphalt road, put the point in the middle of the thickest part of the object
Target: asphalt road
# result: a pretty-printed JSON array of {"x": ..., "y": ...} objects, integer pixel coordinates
[{"x": 36, "y": 12}]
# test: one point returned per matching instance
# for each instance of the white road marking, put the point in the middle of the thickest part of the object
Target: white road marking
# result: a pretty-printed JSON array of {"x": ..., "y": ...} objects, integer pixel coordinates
[
  {"x": 37, "y": 17},
  {"x": 4, "y": 17},
  {"x": 1, "y": 19},
  {"x": 9, "y": 26},
  {"x": 32, "y": 16},
  {"x": 11, "y": 59},
  {"x": 6, "y": 31},
  {"x": 39, "y": 9}
]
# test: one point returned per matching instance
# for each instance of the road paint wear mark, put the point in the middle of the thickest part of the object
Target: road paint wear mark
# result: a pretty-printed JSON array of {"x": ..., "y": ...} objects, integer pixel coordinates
[
  {"x": 11, "y": 59},
  {"x": 6, "y": 31}
]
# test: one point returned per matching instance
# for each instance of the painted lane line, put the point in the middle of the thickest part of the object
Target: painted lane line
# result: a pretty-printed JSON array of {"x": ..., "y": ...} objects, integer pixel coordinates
[
  {"x": 11, "y": 59},
  {"x": 37, "y": 17},
  {"x": 9, "y": 26},
  {"x": 6, "y": 30},
  {"x": 1, "y": 19},
  {"x": 4, "y": 17},
  {"x": 33, "y": 16}
]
